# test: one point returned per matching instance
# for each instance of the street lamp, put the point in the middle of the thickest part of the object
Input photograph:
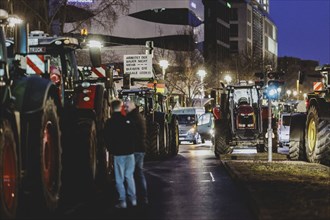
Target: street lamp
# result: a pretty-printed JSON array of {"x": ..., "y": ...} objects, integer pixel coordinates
[
  {"x": 202, "y": 74},
  {"x": 228, "y": 79},
  {"x": 164, "y": 64},
  {"x": 288, "y": 92}
]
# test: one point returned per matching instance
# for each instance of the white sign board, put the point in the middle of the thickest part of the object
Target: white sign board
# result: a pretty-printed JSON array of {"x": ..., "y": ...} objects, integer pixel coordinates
[{"x": 138, "y": 66}]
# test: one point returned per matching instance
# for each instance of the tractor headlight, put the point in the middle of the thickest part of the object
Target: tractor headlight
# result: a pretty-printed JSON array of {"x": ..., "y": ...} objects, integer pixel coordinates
[{"x": 191, "y": 130}]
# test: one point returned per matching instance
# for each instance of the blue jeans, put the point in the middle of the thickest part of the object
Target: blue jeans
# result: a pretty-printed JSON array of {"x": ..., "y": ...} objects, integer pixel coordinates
[
  {"x": 124, "y": 172},
  {"x": 140, "y": 180}
]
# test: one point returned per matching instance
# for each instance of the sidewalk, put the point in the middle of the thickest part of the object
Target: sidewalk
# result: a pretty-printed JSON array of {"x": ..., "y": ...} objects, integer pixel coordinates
[{"x": 282, "y": 189}]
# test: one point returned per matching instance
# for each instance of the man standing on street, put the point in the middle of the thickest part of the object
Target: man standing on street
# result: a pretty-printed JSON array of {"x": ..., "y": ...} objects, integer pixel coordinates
[
  {"x": 119, "y": 135},
  {"x": 140, "y": 145}
]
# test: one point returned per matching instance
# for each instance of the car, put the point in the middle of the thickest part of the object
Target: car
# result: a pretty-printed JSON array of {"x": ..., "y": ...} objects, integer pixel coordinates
[
  {"x": 284, "y": 129},
  {"x": 205, "y": 126},
  {"x": 188, "y": 119}
]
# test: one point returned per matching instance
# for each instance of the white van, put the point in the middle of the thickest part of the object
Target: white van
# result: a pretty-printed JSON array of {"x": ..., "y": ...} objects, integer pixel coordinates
[{"x": 188, "y": 118}]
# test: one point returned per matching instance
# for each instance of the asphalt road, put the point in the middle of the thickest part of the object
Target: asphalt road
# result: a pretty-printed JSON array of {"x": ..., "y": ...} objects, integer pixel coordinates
[{"x": 192, "y": 185}]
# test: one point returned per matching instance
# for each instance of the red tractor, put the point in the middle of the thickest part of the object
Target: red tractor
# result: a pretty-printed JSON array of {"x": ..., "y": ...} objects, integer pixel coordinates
[
  {"x": 239, "y": 120},
  {"x": 30, "y": 146},
  {"x": 81, "y": 108}
]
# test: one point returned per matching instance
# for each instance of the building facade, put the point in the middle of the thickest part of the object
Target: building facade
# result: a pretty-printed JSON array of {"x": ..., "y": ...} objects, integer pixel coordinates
[
  {"x": 253, "y": 32},
  {"x": 217, "y": 29}
]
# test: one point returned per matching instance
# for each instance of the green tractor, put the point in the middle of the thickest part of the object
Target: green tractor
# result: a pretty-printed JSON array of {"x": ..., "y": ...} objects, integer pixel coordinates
[
  {"x": 162, "y": 126},
  {"x": 309, "y": 131}
]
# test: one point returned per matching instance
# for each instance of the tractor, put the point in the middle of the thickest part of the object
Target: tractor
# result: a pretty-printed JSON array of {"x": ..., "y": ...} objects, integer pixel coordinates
[
  {"x": 309, "y": 131},
  {"x": 82, "y": 108},
  {"x": 238, "y": 118},
  {"x": 30, "y": 146},
  {"x": 162, "y": 126}
]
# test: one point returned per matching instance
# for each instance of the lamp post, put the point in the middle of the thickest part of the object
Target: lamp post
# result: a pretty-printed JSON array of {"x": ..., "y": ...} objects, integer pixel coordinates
[
  {"x": 202, "y": 74},
  {"x": 228, "y": 79},
  {"x": 164, "y": 64}
]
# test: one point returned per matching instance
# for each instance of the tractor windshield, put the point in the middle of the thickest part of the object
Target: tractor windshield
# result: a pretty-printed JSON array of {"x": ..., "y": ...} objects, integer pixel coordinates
[{"x": 246, "y": 95}]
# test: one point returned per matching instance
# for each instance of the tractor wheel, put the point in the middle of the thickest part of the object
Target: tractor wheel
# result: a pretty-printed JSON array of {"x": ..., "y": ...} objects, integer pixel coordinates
[
  {"x": 86, "y": 144},
  {"x": 153, "y": 141},
  {"x": 265, "y": 145},
  {"x": 9, "y": 175},
  {"x": 221, "y": 136},
  {"x": 45, "y": 161},
  {"x": 260, "y": 148},
  {"x": 164, "y": 140},
  {"x": 174, "y": 137},
  {"x": 102, "y": 114},
  {"x": 317, "y": 138},
  {"x": 297, "y": 133}
]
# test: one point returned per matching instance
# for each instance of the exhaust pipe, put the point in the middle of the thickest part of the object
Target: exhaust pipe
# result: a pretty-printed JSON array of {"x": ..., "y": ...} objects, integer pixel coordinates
[{"x": 21, "y": 38}]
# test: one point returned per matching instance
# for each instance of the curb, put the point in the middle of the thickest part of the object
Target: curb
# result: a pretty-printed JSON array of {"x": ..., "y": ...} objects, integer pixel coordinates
[{"x": 250, "y": 200}]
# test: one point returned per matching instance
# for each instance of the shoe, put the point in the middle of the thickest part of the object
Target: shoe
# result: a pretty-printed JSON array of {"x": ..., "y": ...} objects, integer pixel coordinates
[
  {"x": 133, "y": 203},
  {"x": 121, "y": 205},
  {"x": 144, "y": 202}
]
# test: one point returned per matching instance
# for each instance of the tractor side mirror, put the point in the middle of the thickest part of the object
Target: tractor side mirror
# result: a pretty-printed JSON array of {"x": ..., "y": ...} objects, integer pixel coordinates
[{"x": 301, "y": 77}]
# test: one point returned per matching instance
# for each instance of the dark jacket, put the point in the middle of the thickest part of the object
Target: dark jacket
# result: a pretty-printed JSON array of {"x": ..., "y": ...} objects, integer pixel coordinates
[
  {"x": 140, "y": 133},
  {"x": 119, "y": 135}
]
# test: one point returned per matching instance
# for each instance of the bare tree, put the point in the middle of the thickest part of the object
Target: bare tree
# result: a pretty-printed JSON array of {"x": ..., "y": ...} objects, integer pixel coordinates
[
  {"x": 181, "y": 77},
  {"x": 42, "y": 14}
]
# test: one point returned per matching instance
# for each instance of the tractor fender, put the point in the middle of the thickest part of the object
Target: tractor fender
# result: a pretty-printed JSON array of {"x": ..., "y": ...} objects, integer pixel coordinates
[
  {"x": 32, "y": 92},
  {"x": 322, "y": 107},
  {"x": 297, "y": 126},
  {"x": 160, "y": 118}
]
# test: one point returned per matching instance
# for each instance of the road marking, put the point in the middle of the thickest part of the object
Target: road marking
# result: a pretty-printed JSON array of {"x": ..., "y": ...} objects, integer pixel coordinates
[{"x": 212, "y": 177}]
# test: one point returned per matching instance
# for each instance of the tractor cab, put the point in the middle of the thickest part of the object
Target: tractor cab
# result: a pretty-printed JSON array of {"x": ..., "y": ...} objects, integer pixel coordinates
[{"x": 244, "y": 102}]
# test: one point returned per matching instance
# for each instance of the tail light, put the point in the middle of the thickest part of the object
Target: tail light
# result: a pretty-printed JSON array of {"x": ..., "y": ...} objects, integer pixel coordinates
[{"x": 307, "y": 103}]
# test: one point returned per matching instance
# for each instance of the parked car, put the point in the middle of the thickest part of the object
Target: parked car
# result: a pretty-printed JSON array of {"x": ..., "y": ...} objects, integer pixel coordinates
[
  {"x": 284, "y": 129},
  {"x": 205, "y": 126}
]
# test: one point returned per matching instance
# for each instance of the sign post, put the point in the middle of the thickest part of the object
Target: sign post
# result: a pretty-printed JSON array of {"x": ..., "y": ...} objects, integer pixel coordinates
[{"x": 138, "y": 66}]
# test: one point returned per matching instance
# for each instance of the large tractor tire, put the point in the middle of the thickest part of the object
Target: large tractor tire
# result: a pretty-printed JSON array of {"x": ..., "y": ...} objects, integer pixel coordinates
[
  {"x": 174, "y": 137},
  {"x": 44, "y": 166},
  {"x": 103, "y": 170},
  {"x": 164, "y": 142},
  {"x": 221, "y": 135},
  {"x": 317, "y": 138},
  {"x": 87, "y": 150},
  {"x": 153, "y": 141},
  {"x": 297, "y": 137},
  {"x": 9, "y": 175}
]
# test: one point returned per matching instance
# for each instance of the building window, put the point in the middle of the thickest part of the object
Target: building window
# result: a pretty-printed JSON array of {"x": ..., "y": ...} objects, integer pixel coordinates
[
  {"x": 234, "y": 46},
  {"x": 233, "y": 14},
  {"x": 249, "y": 16},
  {"x": 234, "y": 30},
  {"x": 249, "y": 32}
]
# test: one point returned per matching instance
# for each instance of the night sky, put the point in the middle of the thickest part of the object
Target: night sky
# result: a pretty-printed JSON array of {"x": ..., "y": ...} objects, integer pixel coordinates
[{"x": 303, "y": 28}]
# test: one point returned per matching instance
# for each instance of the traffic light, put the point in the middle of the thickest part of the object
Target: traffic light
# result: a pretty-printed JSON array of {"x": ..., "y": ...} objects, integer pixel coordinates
[
  {"x": 260, "y": 75},
  {"x": 275, "y": 75},
  {"x": 150, "y": 47}
]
